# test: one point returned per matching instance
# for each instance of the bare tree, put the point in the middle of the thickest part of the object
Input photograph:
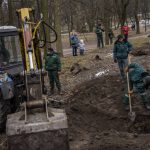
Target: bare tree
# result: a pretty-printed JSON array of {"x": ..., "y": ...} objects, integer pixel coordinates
[
  {"x": 121, "y": 10},
  {"x": 58, "y": 26},
  {"x": 136, "y": 16}
]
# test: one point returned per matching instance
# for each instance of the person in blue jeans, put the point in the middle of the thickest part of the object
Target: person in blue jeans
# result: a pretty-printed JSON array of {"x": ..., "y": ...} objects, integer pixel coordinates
[
  {"x": 120, "y": 54},
  {"x": 74, "y": 43}
]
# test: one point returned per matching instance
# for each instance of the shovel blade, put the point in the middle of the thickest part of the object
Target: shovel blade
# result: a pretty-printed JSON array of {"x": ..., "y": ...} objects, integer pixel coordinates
[{"x": 132, "y": 116}]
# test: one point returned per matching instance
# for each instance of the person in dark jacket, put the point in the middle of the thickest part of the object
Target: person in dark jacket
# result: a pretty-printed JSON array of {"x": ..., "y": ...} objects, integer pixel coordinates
[
  {"x": 139, "y": 81},
  {"x": 99, "y": 32},
  {"x": 120, "y": 54},
  {"x": 111, "y": 36},
  {"x": 74, "y": 43},
  {"x": 125, "y": 31},
  {"x": 53, "y": 66}
]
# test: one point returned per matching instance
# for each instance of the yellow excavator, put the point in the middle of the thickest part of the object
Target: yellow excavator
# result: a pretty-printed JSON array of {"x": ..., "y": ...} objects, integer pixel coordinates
[
  {"x": 35, "y": 126},
  {"x": 22, "y": 81}
]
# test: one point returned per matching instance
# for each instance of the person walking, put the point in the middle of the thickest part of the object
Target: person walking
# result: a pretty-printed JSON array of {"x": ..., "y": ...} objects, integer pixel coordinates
[
  {"x": 139, "y": 81},
  {"x": 125, "y": 30},
  {"x": 133, "y": 26},
  {"x": 99, "y": 32},
  {"x": 111, "y": 36},
  {"x": 74, "y": 43},
  {"x": 53, "y": 66},
  {"x": 120, "y": 54}
]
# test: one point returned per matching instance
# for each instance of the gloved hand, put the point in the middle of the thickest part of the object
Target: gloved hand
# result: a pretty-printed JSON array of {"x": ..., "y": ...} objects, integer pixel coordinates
[
  {"x": 130, "y": 92},
  {"x": 126, "y": 69},
  {"x": 115, "y": 60}
]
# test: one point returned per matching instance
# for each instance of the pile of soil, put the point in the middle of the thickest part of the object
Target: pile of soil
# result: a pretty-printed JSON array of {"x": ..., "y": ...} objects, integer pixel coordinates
[
  {"x": 97, "y": 120},
  {"x": 143, "y": 50}
]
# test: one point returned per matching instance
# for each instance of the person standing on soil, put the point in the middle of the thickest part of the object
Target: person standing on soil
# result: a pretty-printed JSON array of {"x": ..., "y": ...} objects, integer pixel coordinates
[
  {"x": 99, "y": 32},
  {"x": 74, "y": 43},
  {"x": 111, "y": 36},
  {"x": 125, "y": 30},
  {"x": 139, "y": 81},
  {"x": 120, "y": 54},
  {"x": 53, "y": 66},
  {"x": 133, "y": 26}
]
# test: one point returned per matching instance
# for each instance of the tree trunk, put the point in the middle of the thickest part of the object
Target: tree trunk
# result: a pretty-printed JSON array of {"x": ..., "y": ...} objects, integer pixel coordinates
[
  {"x": 91, "y": 25},
  {"x": 11, "y": 22},
  {"x": 44, "y": 11},
  {"x": 58, "y": 26},
  {"x": 121, "y": 9},
  {"x": 136, "y": 16}
]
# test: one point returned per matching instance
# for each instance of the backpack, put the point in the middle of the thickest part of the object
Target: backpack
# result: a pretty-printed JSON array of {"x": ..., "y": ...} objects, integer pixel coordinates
[{"x": 73, "y": 40}]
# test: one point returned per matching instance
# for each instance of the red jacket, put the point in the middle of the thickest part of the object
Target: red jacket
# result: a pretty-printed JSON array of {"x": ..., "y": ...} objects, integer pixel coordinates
[{"x": 125, "y": 29}]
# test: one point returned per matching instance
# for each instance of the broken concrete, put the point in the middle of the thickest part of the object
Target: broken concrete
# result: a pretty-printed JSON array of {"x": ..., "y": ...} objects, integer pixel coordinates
[{"x": 38, "y": 133}]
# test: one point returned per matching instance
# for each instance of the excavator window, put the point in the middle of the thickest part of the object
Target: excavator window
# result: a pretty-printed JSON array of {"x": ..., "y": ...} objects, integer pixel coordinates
[{"x": 9, "y": 50}]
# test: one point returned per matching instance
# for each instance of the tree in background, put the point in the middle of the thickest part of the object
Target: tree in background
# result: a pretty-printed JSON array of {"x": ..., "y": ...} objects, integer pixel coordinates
[
  {"x": 57, "y": 17},
  {"x": 121, "y": 10}
]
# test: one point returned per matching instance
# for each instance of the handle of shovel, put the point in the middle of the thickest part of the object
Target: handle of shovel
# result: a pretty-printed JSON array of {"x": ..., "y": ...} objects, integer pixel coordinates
[
  {"x": 128, "y": 82},
  {"x": 130, "y": 104}
]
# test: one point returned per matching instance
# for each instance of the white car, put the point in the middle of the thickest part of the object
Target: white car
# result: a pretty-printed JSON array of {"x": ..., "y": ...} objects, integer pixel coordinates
[{"x": 144, "y": 21}]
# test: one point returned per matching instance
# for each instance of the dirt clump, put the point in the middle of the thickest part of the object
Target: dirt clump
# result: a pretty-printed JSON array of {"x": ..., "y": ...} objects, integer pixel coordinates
[
  {"x": 143, "y": 50},
  {"x": 97, "y": 120}
]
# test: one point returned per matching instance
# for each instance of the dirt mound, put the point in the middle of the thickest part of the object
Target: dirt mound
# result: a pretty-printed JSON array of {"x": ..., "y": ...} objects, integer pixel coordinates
[
  {"x": 143, "y": 50},
  {"x": 97, "y": 119}
]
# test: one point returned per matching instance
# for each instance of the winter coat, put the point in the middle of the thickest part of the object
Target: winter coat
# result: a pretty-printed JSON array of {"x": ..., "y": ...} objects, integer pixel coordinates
[
  {"x": 52, "y": 62},
  {"x": 74, "y": 40},
  {"x": 125, "y": 30},
  {"x": 111, "y": 34},
  {"x": 121, "y": 50},
  {"x": 99, "y": 31},
  {"x": 135, "y": 77},
  {"x": 82, "y": 46}
]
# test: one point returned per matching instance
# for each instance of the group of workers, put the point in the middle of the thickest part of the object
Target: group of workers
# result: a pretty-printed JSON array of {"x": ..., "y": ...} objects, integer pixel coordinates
[{"x": 139, "y": 78}]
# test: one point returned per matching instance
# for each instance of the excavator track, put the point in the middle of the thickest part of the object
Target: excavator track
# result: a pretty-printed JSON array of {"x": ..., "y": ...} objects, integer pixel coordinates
[{"x": 3, "y": 142}]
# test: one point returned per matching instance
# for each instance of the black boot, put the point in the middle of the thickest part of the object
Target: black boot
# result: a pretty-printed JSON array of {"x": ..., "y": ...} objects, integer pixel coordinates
[
  {"x": 147, "y": 106},
  {"x": 51, "y": 92}
]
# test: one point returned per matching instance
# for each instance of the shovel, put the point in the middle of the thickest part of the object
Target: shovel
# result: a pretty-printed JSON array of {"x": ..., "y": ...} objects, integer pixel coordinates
[{"x": 131, "y": 114}]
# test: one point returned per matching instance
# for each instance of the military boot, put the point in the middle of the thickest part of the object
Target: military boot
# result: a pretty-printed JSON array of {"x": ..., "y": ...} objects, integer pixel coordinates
[
  {"x": 147, "y": 106},
  {"x": 144, "y": 98},
  {"x": 51, "y": 92},
  {"x": 60, "y": 92}
]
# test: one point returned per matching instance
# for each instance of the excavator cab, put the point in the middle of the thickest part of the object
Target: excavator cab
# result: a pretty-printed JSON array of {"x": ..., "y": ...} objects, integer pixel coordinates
[
  {"x": 11, "y": 82},
  {"x": 10, "y": 54}
]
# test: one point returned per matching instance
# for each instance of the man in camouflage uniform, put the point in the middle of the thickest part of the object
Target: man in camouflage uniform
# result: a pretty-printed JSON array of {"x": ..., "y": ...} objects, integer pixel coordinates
[
  {"x": 139, "y": 81},
  {"x": 53, "y": 66},
  {"x": 111, "y": 36},
  {"x": 99, "y": 32}
]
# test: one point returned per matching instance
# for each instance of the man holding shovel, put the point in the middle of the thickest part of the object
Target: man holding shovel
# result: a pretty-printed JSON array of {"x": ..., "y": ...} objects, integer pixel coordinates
[{"x": 139, "y": 81}]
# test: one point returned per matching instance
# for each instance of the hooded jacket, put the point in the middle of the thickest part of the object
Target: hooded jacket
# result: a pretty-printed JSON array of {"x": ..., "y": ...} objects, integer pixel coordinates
[
  {"x": 121, "y": 49},
  {"x": 135, "y": 77}
]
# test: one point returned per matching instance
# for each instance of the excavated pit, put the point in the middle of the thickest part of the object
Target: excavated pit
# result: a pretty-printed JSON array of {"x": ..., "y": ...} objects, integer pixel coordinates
[
  {"x": 98, "y": 121},
  {"x": 141, "y": 124}
]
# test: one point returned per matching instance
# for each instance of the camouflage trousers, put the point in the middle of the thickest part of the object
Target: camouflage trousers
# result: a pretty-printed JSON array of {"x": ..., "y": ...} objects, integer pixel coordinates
[{"x": 54, "y": 79}]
